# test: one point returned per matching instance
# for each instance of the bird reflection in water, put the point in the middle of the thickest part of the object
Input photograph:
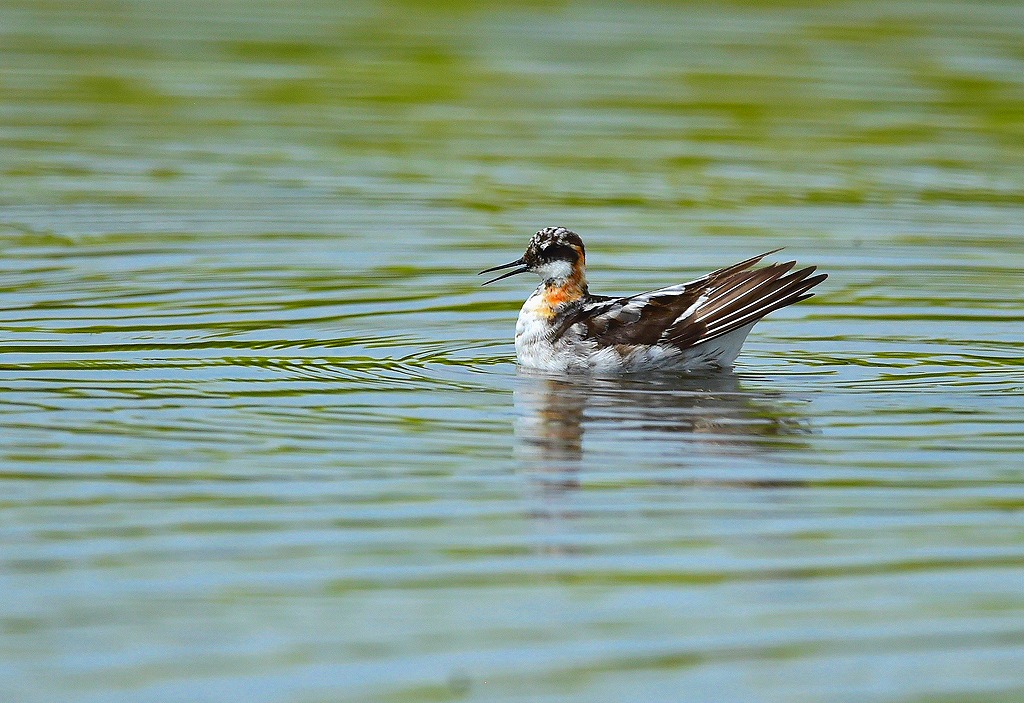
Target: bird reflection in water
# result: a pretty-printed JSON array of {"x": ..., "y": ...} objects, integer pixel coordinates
[{"x": 673, "y": 421}]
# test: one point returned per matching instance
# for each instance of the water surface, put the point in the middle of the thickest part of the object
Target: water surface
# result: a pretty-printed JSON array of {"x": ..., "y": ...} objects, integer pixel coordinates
[{"x": 263, "y": 437}]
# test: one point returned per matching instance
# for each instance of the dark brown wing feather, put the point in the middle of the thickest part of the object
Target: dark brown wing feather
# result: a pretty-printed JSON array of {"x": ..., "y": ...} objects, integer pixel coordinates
[
  {"x": 743, "y": 302},
  {"x": 691, "y": 313}
]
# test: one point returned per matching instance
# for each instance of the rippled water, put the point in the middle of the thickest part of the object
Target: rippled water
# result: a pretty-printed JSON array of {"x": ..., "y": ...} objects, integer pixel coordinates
[{"x": 262, "y": 433}]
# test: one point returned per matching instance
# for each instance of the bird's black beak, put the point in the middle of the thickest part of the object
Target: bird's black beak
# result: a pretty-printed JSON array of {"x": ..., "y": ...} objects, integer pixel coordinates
[{"x": 517, "y": 262}]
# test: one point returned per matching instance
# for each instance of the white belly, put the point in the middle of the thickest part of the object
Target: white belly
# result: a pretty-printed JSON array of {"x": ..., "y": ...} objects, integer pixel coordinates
[{"x": 533, "y": 345}]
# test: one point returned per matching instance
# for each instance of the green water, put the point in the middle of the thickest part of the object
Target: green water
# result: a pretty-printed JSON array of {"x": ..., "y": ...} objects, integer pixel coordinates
[{"x": 262, "y": 433}]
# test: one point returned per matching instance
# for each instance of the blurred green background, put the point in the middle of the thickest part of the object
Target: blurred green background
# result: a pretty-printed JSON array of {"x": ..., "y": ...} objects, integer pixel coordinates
[{"x": 262, "y": 432}]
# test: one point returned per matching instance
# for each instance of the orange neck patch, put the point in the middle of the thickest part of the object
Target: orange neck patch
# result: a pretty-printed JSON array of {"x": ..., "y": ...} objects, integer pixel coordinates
[{"x": 556, "y": 295}]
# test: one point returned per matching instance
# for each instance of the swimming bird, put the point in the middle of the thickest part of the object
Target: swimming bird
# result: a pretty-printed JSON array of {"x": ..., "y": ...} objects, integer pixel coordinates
[{"x": 689, "y": 326}]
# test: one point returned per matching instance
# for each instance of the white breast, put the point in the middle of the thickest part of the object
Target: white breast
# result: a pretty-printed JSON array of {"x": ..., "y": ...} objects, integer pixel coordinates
[
  {"x": 533, "y": 328},
  {"x": 534, "y": 348}
]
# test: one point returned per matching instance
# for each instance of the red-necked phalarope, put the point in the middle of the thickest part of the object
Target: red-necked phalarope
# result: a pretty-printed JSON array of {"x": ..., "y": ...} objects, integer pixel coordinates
[{"x": 696, "y": 325}]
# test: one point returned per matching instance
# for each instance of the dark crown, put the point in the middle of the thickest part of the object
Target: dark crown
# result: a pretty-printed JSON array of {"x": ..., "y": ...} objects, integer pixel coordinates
[{"x": 553, "y": 243}]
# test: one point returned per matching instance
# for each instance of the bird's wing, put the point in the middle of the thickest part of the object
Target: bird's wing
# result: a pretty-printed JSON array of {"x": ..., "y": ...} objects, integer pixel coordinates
[{"x": 691, "y": 313}]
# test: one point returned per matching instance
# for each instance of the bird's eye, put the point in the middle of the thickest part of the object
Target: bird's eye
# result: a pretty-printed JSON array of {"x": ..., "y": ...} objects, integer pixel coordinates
[{"x": 560, "y": 251}]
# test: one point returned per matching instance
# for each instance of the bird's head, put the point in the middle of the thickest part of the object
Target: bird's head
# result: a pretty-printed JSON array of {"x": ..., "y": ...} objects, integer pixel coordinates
[{"x": 554, "y": 254}]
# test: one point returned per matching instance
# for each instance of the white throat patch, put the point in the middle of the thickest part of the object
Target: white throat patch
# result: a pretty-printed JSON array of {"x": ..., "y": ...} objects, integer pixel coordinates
[{"x": 557, "y": 269}]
